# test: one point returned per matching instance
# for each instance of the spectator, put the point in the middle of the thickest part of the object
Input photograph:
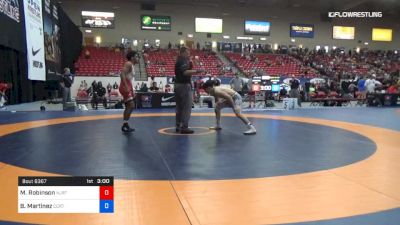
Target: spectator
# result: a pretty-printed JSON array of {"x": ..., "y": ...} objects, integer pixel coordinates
[
  {"x": 294, "y": 90},
  {"x": 237, "y": 84},
  {"x": 82, "y": 91},
  {"x": 109, "y": 88},
  {"x": 251, "y": 94},
  {"x": 144, "y": 88},
  {"x": 307, "y": 85},
  {"x": 282, "y": 93},
  {"x": 87, "y": 54},
  {"x": 168, "y": 88},
  {"x": 393, "y": 89},
  {"x": 371, "y": 84},
  {"x": 93, "y": 91},
  {"x": 154, "y": 87},
  {"x": 101, "y": 95},
  {"x": 361, "y": 88},
  {"x": 3, "y": 97},
  {"x": 66, "y": 82},
  {"x": 162, "y": 71}
]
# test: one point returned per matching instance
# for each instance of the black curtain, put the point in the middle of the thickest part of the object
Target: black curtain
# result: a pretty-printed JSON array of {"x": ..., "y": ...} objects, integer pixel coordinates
[
  {"x": 14, "y": 71},
  {"x": 71, "y": 41}
]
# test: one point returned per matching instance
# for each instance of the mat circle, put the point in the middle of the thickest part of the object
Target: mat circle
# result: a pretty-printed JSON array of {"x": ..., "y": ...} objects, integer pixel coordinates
[{"x": 197, "y": 131}]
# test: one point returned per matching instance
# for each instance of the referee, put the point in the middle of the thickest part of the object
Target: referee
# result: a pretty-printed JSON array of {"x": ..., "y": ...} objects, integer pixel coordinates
[{"x": 183, "y": 90}]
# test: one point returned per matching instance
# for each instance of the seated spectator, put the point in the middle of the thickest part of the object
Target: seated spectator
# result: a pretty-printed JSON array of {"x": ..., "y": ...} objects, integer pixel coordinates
[
  {"x": 101, "y": 95},
  {"x": 3, "y": 98},
  {"x": 144, "y": 88},
  {"x": 168, "y": 88},
  {"x": 82, "y": 93},
  {"x": 282, "y": 93},
  {"x": 154, "y": 87},
  {"x": 393, "y": 89},
  {"x": 87, "y": 54},
  {"x": 82, "y": 86},
  {"x": 162, "y": 71},
  {"x": 115, "y": 85}
]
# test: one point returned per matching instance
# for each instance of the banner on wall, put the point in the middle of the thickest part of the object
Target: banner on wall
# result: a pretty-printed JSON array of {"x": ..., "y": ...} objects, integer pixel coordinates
[
  {"x": 10, "y": 8},
  {"x": 34, "y": 39},
  {"x": 51, "y": 39},
  {"x": 11, "y": 24}
]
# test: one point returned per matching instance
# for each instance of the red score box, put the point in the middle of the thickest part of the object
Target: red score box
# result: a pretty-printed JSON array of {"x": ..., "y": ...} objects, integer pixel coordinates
[{"x": 106, "y": 193}]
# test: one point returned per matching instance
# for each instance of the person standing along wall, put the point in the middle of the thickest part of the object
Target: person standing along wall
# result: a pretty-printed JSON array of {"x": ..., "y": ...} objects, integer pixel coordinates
[{"x": 66, "y": 82}]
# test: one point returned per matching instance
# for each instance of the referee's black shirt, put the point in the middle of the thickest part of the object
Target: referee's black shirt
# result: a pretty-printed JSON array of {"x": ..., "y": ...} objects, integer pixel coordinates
[{"x": 181, "y": 66}]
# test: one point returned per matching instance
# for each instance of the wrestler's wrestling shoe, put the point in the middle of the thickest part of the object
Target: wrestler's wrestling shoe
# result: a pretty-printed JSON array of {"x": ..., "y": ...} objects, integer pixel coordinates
[
  {"x": 215, "y": 128},
  {"x": 127, "y": 129},
  {"x": 252, "y": 130}
]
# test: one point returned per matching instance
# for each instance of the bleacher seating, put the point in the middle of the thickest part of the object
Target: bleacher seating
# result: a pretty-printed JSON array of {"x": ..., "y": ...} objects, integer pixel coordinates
[
  {"x": 272, "y": 64},
  {"x": 338, "y": 63},
  {"x": 102, "y": 62},
  {"x": 162, "y": 63}
]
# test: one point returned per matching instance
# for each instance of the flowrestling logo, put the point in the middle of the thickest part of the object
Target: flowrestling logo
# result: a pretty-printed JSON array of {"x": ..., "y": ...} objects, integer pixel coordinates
[
  {"x": 10, "y": 8},
  {"x": 355, "y": 14}
]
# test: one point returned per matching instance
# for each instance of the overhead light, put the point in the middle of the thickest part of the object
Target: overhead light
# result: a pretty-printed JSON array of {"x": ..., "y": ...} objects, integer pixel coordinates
[
  {"x": 366, "y": 43},
  {"x": 293, "y": 40},
  {"x": 98, "y": 39},
  {"x": 263, "y": 38},
  {"x": 190, "y": 35},
  {"x": 226, "y": 37},
  {"x": 244, "y": 38},
  {"x": 225, "y": 14},
  {"x": 88, "y": 31}
]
